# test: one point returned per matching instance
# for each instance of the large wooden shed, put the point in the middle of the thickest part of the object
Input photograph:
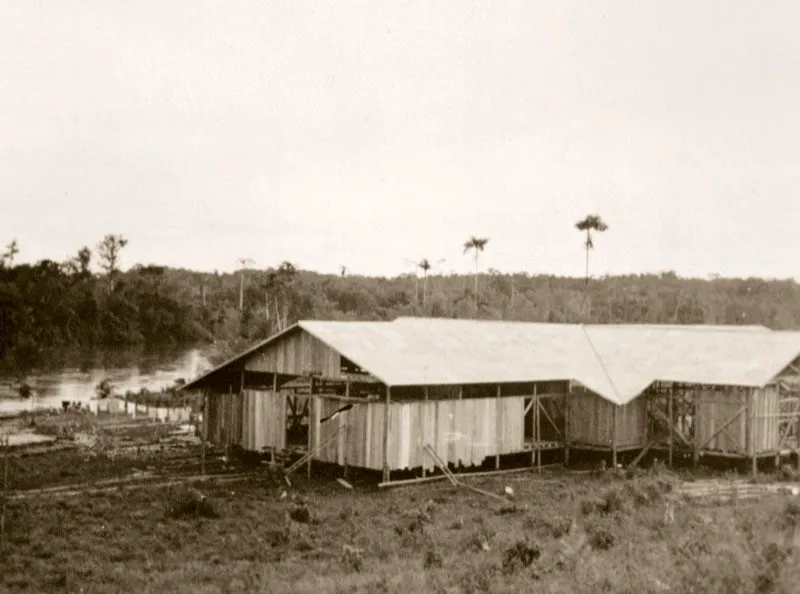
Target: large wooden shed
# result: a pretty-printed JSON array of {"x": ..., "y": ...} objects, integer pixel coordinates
[
  {"x": 419, "y": 393},
  {"x": 393, "y": 409}
]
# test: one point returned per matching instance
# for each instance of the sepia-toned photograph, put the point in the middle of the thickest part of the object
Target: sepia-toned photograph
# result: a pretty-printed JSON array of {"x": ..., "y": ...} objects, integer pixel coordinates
[{"x": 372, "y": 296}]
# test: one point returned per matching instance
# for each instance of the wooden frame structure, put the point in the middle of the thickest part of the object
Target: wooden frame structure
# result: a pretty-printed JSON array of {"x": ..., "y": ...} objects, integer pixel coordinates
[
  {"x": 723, "y": 421},
  {"x": 290, "y": 388},
  {"x": 297, "y": 395}
]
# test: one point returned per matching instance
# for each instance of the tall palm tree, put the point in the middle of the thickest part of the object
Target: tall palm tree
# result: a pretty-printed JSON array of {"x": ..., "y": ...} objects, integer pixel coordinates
[
  {"x": 477, "y": 244},
  {"x": 425, "y": 265},
  {"x": 589, "y": 224}
]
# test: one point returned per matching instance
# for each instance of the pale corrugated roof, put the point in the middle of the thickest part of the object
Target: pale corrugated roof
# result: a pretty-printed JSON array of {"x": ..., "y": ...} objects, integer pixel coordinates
[
  {"x": 616, "y": 361},
  {"x": 636, "y": 357},
  {"x": 464, "y": 352}
]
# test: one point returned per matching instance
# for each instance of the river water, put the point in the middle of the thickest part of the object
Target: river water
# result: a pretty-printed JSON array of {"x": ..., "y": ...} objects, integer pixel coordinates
[{"x": 78, "y": 383}]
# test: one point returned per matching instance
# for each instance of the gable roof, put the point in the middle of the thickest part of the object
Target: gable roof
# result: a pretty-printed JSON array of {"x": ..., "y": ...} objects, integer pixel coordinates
[{"x": 617, "y": 362}]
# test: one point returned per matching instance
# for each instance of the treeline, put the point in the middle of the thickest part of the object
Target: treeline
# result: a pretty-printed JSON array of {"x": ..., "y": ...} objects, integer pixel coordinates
[{"x": 52, "y": 305}]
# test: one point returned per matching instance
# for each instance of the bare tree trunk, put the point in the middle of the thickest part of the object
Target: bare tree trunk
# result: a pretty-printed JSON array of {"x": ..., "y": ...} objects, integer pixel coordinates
[
  {"x": 241, "y": 291},
  {"x": 278, "y": 315},
  {"x": 475, "y": 296},
  {"x": 586, "y": 282}
]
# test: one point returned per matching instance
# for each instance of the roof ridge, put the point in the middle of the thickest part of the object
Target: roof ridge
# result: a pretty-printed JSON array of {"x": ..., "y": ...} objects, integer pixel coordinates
[{"x": 602, "y": 363}]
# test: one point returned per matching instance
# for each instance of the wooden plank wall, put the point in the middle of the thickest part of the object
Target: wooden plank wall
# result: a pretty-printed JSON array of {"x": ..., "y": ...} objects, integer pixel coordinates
[
  {"x": 461, "y": 431},
  {"x": 253, "y": 420},
  {"x": 591, "y": 421},
  {"x": 714, "y": 407},
  {"x": 766, "y": 408},
  {"x": 264, "y": 423},
  {"x": 297, "y": 353}
]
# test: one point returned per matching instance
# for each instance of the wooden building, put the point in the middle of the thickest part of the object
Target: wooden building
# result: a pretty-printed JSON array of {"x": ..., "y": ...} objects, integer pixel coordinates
[{"x": 417, "y": 393}]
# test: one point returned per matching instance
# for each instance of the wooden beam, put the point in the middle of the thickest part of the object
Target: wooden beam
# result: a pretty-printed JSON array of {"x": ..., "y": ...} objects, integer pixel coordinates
[
  {"x": 724, "y": 426},
  {"x": 641, "y": 455},
  {"x": 671, "y": 414},
  {"x": 659, "y": 416},
  {"x": 346, "y": 428},
  {"x": 311, "y": 451},
  {"x": 424, "y": 427},
  {"x": 457, "y": 475},
  {"x": 530, "y": 405},
  {"x": 550, "y": 420},
  {"x": 386, "y": 471},
  {"x": 614, "y": 436},
  {"x": 751, "y": 404},
  {"x": 204, "y": 433},
  {"x": 538, "y": 421},
  {"x": 566, "y": 424},
  {"x": 498, "y": 429}
]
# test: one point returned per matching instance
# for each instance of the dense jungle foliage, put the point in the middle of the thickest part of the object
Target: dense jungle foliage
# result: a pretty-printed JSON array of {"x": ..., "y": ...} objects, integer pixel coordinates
[{"x": 55, "y": 305}]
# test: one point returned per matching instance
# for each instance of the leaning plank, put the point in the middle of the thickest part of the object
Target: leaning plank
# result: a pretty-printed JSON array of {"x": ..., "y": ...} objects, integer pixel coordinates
[
  {"x": 440, "y": 463},
  {"x": 306, "y": 457},
  {"x": 641, "y": 455},
  {"x": 455, "y": 482}
]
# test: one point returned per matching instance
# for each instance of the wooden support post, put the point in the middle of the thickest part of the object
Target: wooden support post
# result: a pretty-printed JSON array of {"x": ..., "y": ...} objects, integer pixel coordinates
[
  {"x": 204, "y": 433},
  {"x": 695, "y": 433},
  {"x": 614, "y": 437},
  {"x": 751, "y": 405},
  {"x": 566, "y": 425},
  {"x": 229, "y": 422},
  {"x": 424, "y": 427},
  {"x": 538, "y": 419},
  {"x": 671, "y": 416},
  {"x": 386, "y": 471},
  {"x": 311, "y": 393},
  {"x": 5, "y": 444},
  {"x": 777, "y": 426},
  {"x": 498, "y": 429},
  {"x": 346, "y": 418}
]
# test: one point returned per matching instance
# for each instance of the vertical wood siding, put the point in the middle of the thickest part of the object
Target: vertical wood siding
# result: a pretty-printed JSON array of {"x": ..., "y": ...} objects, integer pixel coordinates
[
  {"x": 591, "y": 421},
  {"x": 713, "y": 408},
  {"x": 461, "y": 431},
  {"x": 253, "y": 420}
]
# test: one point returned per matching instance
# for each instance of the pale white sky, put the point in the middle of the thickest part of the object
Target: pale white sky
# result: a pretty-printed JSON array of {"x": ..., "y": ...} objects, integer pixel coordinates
[{"x": 366, "y": 133}]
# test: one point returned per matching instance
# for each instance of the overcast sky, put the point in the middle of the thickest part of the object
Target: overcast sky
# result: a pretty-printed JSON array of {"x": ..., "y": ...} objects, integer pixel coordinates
[{"x": 372, "y": 133}]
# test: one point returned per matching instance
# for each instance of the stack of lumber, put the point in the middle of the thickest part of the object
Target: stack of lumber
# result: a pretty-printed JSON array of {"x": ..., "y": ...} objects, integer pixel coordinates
[{"x": 716, "y": 491}]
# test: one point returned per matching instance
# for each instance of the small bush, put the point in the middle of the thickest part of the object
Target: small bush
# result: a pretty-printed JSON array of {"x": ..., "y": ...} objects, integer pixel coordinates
[
  {"x": 520, "y": 555},
  {"x": 352, "y": 558},
  {"x": 432, "y": 559},
  {"x": 613, "y": 502},
  {"x": 301, "y": 514},
  {"x": 189, "y": 503},
  {"x": 478, "y": 579},
  {"x": 601, "y": 539},
  {"x": 791, "y": 515}
]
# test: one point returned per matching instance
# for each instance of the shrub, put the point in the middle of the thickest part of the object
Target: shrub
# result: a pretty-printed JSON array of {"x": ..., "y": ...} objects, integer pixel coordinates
[
  {"x": 189, "y": 503},
  {"x": 520, "y": 555}
]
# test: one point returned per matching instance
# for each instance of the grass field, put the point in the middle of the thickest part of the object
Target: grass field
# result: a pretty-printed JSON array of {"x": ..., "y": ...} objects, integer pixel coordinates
[{"x": 563, "y": 532}]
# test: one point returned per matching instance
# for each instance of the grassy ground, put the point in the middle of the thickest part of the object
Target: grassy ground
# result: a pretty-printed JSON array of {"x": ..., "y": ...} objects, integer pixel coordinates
[{"x": 563, "y": 533}]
